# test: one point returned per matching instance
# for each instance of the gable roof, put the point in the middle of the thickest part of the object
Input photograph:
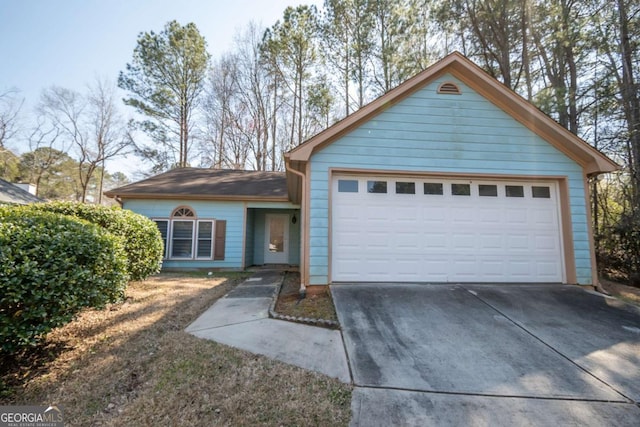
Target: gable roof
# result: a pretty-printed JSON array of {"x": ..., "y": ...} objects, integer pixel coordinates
[
  {"x": 13, "y": 194},
  {"x": 207, "y": 184},
  {"x": 592, "y": 161}
]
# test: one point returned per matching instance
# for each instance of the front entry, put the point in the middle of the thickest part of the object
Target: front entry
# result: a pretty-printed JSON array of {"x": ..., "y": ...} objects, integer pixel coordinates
[{"x": 276, "y": 250}]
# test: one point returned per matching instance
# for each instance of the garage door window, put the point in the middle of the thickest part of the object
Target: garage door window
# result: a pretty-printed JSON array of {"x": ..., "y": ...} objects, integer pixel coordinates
[
  {"x": 377, "y": 186},
  {"x": 434, "y": 188},
  {"x": 514, "y": 190},
  {"x": 541, "y": 192},
  {"x": 488, "y": 190},
  {"x": 405, "y": 187},
  {"x": 348, "y": 186},
  {"x": 461, "y": 189}
]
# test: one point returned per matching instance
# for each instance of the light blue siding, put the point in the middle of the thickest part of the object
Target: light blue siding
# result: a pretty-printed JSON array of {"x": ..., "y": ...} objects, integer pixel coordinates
[
  {"x": 430, "y": 132},
  {"x": 232, "y": 212}
]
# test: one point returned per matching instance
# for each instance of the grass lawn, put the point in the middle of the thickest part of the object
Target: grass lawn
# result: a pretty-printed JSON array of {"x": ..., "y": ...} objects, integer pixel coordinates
[{"x": 133, "y": 364}]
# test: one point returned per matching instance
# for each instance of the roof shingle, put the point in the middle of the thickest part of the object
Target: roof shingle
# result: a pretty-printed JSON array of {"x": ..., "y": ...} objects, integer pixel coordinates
[{"x": 207, "y": 184}]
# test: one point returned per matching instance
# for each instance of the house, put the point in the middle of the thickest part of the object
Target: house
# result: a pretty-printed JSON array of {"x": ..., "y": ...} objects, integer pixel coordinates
[
  {"x": 213, "y": 219},
  {"x": 450, "y": 177},
  {"x": 11, "y": 194}
]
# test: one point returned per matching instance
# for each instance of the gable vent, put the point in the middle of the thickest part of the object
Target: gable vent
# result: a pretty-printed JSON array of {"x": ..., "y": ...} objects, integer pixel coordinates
[{"x": 449, "y": 88}]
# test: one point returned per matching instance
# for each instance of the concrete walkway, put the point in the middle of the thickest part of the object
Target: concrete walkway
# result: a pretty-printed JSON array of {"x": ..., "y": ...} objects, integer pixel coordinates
[{"x": 241, "y": 319}]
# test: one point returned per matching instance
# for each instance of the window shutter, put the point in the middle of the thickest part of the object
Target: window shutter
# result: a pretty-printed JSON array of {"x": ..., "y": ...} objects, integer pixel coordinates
[{"x": 221, "y": 232}]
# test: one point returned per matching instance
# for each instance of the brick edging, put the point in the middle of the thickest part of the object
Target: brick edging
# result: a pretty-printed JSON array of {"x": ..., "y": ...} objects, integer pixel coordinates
[{"x": 324, "y": 323}]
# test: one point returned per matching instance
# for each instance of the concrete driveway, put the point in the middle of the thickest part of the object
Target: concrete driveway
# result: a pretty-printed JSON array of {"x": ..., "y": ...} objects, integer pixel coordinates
[{"x": 489, "y": 355}]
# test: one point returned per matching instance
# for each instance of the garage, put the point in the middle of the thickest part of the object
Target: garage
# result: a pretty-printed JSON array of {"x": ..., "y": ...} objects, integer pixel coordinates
[{"x": 429, "y": 229}]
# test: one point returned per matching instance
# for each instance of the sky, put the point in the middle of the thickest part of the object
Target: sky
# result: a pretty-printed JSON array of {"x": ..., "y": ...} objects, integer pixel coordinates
[{"x": 71, "y": 43}]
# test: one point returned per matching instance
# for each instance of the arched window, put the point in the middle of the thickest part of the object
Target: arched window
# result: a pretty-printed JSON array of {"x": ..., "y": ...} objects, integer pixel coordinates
[
  {"x": 185, "y": 236},
  {"x": 183, "y": 212}
]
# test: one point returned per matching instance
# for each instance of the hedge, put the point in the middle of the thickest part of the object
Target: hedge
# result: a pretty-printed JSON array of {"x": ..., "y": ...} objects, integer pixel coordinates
[
  {"x": 142, "y": 240},
  {"x": 52, "y": 266}
]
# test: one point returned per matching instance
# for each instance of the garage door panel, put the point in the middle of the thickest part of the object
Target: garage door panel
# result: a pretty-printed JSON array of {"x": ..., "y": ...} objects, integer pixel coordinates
[
  {"x": 408, "y": 241},
  {"x": 545, "y": 243},
  {"x": 547, "y": 269},
  {"x": 489, "y": 216},
  {"x": 443, "y": 237},
  {"x": 492, "y": 268},
  {"x": 542, "y": 217},
  {"x": 516, "y": 216},
  {"x": 491, "y": 241},
  {"x": 433, "y": 215},
  {"x": 434, "y": 240},
  {"x": 518, "y": 242},
  {"x": 463, "y": 241}
]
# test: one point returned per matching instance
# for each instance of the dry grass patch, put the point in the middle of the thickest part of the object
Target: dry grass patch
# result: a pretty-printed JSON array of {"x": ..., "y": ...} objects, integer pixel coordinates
[
  {"x": 318, "y": 305},
  {"x": 133, "y": 364},
  {"x": 627, "y": 293}
]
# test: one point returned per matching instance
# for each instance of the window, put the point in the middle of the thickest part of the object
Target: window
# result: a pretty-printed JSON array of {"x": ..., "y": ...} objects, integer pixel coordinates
[
  {"x": 183, "y": 212},
  {"x": 405, "y": 187},
  {"x": 541, "y": 192},
  {"x": 433, "y": 188},
  {"x": 186, "y": 237},
  {"x": 461, "y": 189},
  {"x": 376, "y": 186},
  {"x": 488, "y": 190},
  {"x": 163, "y": 227},
  {"x": 182, "y": 239},
  {"x": 205, "y": 239},
  {"x": 514, "y": 190},
  {"x": 347, "y": 186}
]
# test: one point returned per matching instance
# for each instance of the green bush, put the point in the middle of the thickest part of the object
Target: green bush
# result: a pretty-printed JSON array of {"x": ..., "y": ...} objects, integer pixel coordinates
[
  {"x": 52, "y": 266},
  {"x": 141, "y": 238}
]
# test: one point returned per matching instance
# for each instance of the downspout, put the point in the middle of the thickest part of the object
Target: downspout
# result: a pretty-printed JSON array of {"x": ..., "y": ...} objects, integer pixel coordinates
[{"x": 303, "y": 225}]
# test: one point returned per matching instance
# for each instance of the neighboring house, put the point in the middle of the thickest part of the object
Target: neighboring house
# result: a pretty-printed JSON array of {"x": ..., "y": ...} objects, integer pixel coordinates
[
  {"x": 450, "y": 177},
  {"x": 11, "y": 194}
]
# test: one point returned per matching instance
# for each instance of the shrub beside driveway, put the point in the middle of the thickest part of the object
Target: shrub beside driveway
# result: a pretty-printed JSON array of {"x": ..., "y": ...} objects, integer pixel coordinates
[{"x": 133, "y": 364}]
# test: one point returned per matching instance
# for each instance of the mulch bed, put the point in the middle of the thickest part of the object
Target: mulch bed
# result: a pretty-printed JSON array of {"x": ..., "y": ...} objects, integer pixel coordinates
[{"x": 316, "y": 305}]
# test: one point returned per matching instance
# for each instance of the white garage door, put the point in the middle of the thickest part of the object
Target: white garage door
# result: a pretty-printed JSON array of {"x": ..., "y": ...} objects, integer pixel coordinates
[{"x": 444, "y": 230}]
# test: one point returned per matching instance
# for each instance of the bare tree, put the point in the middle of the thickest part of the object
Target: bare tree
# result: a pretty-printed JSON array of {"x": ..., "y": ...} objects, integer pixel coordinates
[
  {"x": 256, "y": 97},
  {"x": 10, "y": 105},
  {"x": 45, "y": 157},
  {"x": 90, "y": 123},
  {"x": 221, "y": 93}
]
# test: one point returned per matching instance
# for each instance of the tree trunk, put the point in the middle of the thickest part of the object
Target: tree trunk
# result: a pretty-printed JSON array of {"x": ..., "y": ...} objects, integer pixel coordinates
[
  {"x": 274, "y": 123},
  {"x": 526, "y": 61},
  {"x": 630, "y": 101},
  {"x": 300, "y": 76}
]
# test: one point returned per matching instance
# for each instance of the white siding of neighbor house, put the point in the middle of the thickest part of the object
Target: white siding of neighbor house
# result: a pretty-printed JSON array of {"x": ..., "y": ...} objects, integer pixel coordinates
[{"x": 430, "y": 132}]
